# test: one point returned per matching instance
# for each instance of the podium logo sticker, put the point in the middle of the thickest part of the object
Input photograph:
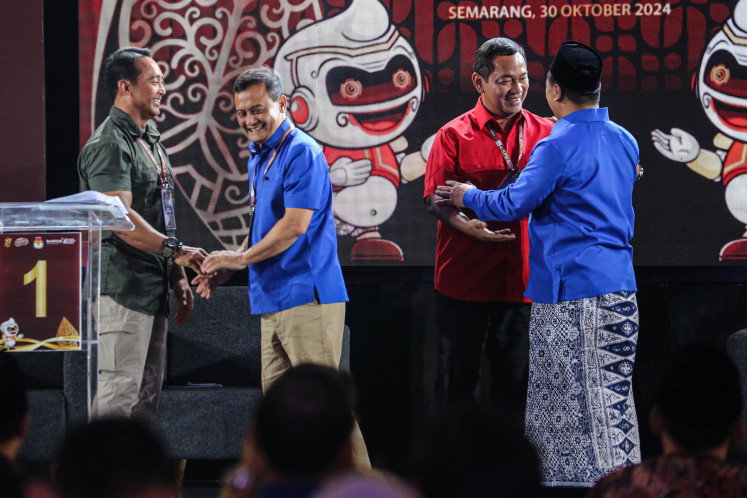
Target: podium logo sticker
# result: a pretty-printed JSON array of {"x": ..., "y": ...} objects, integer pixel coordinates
[
  {"x": 21, "y": 241},
  {"x": 38, "y": 243}
]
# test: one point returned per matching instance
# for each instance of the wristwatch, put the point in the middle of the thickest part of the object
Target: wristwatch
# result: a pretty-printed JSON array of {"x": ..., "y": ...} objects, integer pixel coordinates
[{"x": 171, "y": 247}]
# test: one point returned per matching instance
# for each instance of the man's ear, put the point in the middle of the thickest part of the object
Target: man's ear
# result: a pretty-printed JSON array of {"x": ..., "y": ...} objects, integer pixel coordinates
[
  {"x": 478, "y": 82},
  {"x": 557, "y": 93},
  {"x": 283, "y": 102},
  {"x": 123, "y": 87}
]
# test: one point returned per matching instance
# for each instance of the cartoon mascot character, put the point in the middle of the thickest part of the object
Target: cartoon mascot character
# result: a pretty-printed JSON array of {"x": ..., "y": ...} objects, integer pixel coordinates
[
  {"x": 722, "y": 89},
  {"x": 9, "y": 329},
  {"x": 354, "y": 84}
]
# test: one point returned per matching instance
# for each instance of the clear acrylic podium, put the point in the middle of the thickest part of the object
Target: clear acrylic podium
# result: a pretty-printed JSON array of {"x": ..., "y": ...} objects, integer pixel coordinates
[{"x": 89, "y": 213}]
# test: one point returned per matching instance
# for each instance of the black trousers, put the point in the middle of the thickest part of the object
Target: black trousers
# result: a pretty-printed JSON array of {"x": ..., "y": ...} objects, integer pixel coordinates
[{"x": 501, "y": 331}]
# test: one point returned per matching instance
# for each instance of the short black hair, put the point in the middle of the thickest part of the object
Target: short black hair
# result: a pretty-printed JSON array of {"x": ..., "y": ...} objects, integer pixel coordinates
[
  {"x": 13, "y": 404},
  {"x": 483, "y": 62},
  {"x": 305, "y": 419},
  {"x": 267, "y": 76},
  {"x": 122, "y": 65},
  {"x": 699, "y": 397},
  {"x": 577, "y": 98},
  {"x": 113, "y": 457},
  {"x": 474, "y": 451}
]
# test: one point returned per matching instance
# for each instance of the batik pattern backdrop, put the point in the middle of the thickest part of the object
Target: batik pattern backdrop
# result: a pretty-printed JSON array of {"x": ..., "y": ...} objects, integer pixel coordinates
[{"x": 372, "y": 81}]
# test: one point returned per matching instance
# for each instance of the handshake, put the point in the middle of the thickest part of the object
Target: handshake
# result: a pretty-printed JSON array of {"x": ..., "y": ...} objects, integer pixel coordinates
[{"x": 212, "y": 269}]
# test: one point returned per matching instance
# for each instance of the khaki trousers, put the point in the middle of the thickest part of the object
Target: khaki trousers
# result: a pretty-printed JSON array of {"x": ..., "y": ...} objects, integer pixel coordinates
[
  {"x": 310, "y": 333},
  {"x": 131, "y": 357}
]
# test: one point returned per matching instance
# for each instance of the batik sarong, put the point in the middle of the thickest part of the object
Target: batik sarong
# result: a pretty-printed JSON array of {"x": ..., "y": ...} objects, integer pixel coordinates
[{"x": 580, "y": 411}]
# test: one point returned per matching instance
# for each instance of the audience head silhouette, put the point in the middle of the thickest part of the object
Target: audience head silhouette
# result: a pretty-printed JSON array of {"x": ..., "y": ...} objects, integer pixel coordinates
[
  {"x": 698, "y": 403},
  {"x": 115, "y": 458},
  {"x": 303, "y": 425},
  {"x": 696, "y": 414}
]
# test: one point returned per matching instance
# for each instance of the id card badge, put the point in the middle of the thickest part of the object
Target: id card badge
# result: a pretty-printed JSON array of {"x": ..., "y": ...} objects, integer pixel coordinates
[
  {"x": 511, "y": 177},
  {"x": 167, "y": 201},
  {"x": 250, "y": 225}
]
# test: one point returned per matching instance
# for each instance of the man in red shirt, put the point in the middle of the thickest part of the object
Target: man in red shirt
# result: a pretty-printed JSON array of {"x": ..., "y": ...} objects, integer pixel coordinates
[{"x": 482, "y": 268}]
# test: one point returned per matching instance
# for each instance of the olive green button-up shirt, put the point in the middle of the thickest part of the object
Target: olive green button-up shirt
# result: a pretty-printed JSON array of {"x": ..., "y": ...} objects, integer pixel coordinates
[{"x": 113, "y": 159}]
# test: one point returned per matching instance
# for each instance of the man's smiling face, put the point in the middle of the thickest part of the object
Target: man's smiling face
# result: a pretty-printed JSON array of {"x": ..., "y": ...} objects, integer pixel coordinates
[
  {"x": 506, "y": 88},
  {"x": 148, "y": 90},
  {"x": 258, "y": 115}
]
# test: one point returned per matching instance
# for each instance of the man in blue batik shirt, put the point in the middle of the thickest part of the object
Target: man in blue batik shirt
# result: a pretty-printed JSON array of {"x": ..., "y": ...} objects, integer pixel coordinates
[
  {"x": 577, "y": 190},
  {"x": 295, "y": 279}
]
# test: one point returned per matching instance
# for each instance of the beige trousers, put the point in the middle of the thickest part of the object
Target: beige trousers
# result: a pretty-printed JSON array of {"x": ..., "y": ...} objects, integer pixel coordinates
[
  {"x": 310, "y": 333},
  {"x": 131, "y": 357}
]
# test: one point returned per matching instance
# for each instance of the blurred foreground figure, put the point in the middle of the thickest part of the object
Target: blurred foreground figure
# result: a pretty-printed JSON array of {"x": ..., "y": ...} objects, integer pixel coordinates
[
  {"x": 14, "y": 420},
  {"x": 300, "y": 438},
  {"x": 115, "y": 458},
  {"x": 475, "y": 452},
  {"x": 697, "y": 416}
]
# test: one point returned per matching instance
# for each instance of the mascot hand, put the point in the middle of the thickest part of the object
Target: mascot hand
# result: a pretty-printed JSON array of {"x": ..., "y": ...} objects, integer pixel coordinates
[
  {"x": 678, "y": 146},
  {"x": 345, "y": 172},
  {"x": 425, "y": 149}
]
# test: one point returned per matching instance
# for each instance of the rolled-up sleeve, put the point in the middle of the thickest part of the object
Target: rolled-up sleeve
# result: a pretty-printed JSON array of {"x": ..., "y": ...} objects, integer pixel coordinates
[{"x": 105, "y": 167}]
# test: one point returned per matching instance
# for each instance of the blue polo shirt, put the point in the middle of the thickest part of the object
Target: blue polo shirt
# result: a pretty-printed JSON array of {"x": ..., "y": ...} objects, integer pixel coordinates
[
  {"x": 578, "y": 190},
  {"x": 298, "y": 178}
]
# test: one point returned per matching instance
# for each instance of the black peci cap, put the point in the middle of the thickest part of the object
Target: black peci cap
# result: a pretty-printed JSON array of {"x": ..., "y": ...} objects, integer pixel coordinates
[{"x": 577, "y": 67}]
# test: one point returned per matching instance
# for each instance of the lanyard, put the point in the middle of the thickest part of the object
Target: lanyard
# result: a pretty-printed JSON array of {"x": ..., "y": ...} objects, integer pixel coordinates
[
  {"x": 253, "y": 196},
  {"x": 160, "y": 169},
  {"x": 513, "y": 170}
]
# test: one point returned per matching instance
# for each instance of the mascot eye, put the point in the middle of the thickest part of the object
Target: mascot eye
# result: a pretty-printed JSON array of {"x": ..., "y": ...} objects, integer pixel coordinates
[
  {"x": 351, "y": 89},
  {"x": 720, "y": 74},
  {"x": 402, "y": 79}
]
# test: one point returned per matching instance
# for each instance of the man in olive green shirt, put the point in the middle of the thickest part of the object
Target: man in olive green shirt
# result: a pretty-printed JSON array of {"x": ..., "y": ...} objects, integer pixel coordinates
[{"x": 125, "y": 158}]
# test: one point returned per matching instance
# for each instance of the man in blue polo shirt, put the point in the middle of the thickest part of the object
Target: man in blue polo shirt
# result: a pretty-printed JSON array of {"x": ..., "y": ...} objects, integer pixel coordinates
[
  {"x": 295, "y": 279},
  {"x": 583, "y": 329}
]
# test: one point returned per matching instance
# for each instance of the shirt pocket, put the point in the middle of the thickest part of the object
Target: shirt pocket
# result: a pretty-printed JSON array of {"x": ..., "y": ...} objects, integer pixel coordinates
[
  {"x": 485, "y": 174},
  {"x": 270, "y": 200},
  {"x": 146, "y": 194},
  {"x": 144, "y": 175}
]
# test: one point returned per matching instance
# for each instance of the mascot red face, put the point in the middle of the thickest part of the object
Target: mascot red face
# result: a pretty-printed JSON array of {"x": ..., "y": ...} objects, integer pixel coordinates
[
  {"x": 353, "y": 80},
  {"x": 722, "y": 81},
  {"x": 354, "y": 84},
  {"x": 721, "y": 86}
]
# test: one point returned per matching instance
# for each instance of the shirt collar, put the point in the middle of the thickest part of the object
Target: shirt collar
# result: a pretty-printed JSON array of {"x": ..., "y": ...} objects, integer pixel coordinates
[
  {"x": 482, "y": 116},
  {"x": 271, "y": 142},
  {"x": 123, "y": 120},
  {"x": 584, "y": 115}
]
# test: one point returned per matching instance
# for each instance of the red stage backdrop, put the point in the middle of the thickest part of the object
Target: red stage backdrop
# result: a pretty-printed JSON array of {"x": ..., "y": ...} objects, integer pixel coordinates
[
  {"x": 373, "y": 81},
  {"x": 22, "y": 152}
]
